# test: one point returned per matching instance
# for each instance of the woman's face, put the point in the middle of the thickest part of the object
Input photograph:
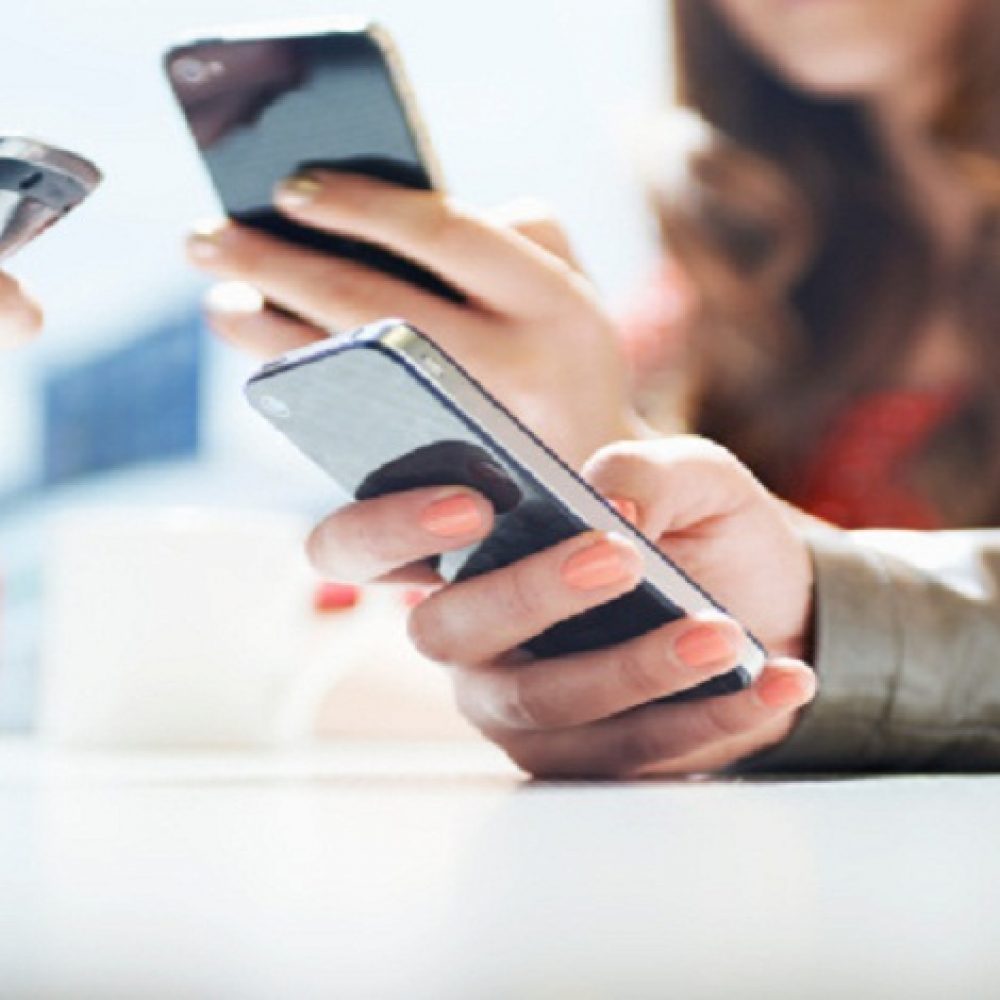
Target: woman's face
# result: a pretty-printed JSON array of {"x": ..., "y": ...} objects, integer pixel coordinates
[{"x": 848, "y": 48}]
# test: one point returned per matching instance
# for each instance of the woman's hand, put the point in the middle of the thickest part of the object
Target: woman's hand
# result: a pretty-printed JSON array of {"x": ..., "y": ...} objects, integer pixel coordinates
[
  {"x": 20, "y": 318},
  {"x": 531, "y": 329},
  {"x": 594, "y": 714}
]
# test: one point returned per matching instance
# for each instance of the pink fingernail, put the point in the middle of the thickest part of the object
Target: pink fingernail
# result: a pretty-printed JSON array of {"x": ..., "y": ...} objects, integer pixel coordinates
[
  {"x": 702, "y": 646},
  {"x": 628, "y": 509},
  {"x": 330, "y": 596},
  {"x": 599, "y": 565},
  {"x": 777, "y": 689},
  {"x": 452, "y": 517}
]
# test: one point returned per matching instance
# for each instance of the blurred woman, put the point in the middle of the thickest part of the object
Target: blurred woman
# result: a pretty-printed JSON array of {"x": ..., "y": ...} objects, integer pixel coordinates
[
  {"x": 839, "y": 244},
  {"x": 833, "y": 286}
]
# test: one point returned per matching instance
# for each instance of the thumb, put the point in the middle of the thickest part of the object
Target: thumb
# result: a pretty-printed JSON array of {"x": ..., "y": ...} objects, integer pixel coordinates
[{"x": 672, "y": 484}]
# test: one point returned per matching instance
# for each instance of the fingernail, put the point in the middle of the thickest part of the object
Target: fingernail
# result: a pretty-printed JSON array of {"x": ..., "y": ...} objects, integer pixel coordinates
[
  {"x": 330, "y": 597},
  {"x": 205, "y": 239},
  {"x": 628, "y": 509},
  {"x": 777, "y": 689},
  {"x": 703, "y": 645},
  {"x": 452, "y": 516},
  {"x": 300, "y": 189},
  {"x": 599, "y": 565},
  {"x": 234, "y": 298}
]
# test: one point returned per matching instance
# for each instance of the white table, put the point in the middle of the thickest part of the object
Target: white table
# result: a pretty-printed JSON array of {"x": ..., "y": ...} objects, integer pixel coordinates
[{"x": 422, "y": 871}]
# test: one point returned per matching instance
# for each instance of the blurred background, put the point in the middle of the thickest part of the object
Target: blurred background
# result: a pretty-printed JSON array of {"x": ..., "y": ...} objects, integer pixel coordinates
[{"x": 126, "y": 400}]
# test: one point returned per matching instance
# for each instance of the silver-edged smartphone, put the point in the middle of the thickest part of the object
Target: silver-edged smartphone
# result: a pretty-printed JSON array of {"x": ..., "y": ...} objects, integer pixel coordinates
[
  {"x": 39, "y": 184},
  {"x": 383, "y": 409},
  {"x": 265, "y": 102}
]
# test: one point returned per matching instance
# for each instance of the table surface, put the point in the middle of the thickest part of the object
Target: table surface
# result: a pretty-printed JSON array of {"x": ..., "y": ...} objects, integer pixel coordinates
[{"x": 435, "y": 871}]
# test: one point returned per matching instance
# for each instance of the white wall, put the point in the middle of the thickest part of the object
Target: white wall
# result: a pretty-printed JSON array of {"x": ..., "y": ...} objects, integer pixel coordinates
[{"x": 521, "y": 96}]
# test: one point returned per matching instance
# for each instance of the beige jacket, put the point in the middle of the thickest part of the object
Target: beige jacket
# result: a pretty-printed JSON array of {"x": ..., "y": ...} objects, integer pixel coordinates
[{"x": 907, "y": 654}]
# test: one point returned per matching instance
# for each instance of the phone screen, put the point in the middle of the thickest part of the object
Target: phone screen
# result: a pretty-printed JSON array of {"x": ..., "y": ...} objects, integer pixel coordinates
[{"x": 263, "y": 109}]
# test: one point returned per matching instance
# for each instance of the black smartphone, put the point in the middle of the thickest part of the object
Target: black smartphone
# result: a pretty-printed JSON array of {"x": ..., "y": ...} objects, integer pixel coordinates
[
  {"x": 383, "y": 409},
  {"x": 265, "y": 104},
  {"x": 39, "y": 184}
]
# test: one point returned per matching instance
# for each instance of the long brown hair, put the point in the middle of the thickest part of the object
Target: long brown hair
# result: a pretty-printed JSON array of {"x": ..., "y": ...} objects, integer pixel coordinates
[{"x": 812, "y": 269}]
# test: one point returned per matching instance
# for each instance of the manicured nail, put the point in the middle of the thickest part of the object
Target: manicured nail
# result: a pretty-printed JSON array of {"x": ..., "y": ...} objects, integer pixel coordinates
[
  {"x": 297, "y": 190},
  {"x": 704, "y": 645},
  {"x": 452, "y": 516},
  {"x": 205, "y": 239},
  {"x": 330, "y": 597},
  {"x": 628, "y": 509},
  {"x": 779, "y": 689},
  {"x": 234, "y": 298},
  {"x": 599, "y": 565}
]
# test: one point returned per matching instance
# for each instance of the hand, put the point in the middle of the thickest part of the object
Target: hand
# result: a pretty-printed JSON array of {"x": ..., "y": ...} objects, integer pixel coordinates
[
  {"x": 594, "y": 714},
  {"x": 531, "y": 330},
  {"x": 20, "y": 318}
]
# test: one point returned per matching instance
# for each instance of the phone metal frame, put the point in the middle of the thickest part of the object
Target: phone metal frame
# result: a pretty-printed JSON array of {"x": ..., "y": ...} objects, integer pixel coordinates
[
  {"x": 318, "y": 27},
  {"x": 466, "y": 397},
  {"x": 59, "y": 181}
]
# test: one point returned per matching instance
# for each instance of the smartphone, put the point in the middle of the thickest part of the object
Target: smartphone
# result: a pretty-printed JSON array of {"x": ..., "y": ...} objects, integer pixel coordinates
[
  {"x": 263, "y": 104},
  {"x": 39, "y": 184},
  {"x": 383, "y": 409}
]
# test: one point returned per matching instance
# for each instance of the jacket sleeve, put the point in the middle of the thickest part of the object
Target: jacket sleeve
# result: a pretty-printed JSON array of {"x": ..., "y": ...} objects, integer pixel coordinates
[{"x": 907, "y": 653}]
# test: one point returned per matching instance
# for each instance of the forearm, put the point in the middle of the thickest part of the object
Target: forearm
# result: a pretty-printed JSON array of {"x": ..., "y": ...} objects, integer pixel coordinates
[{"x": 907, "y": 650}]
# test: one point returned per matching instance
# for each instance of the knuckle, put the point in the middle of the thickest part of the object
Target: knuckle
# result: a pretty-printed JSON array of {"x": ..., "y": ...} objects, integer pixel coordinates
[
  {"x": 465, "y": 695},
  {"x": 521, "y": 599},
  {"x": 247, "y": 255},
  {"x": 638, "y": 671},
  {"x": 498, "y": 700},
  {"x": 640, "y": 745},
  {"x": 436, "y": 221},
  {"x": 522, "y": 705},
  {"x": 428, "y": 633},
  {"x": 718, "y": 721},
  {"x": 368, "y": 529},
  {"x": 328, "y": 285}
]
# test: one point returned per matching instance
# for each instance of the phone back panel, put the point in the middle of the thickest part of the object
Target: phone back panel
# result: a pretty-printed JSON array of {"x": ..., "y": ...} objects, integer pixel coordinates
[{"x": 264, "y": 108}]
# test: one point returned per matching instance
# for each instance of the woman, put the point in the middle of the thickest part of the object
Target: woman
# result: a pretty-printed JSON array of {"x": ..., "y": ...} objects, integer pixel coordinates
[
  {"x": 838, "y": 231},
  {"x": 532, "y": 330}
]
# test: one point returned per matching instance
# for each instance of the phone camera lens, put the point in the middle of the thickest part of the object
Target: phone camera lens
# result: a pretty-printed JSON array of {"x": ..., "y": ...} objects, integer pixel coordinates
[
  {"x": 195, "y": 71},
  {"x": 31, "y": 181}
]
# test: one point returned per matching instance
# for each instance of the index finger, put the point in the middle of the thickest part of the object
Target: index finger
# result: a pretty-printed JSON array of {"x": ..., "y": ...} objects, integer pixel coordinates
[
  {"x": 492, "y": 264},
  {"x": 372, "y": 538}
]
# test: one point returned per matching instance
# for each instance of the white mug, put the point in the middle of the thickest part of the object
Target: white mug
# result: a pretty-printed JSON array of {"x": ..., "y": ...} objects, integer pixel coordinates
[{"x": 183, "y": 627}]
